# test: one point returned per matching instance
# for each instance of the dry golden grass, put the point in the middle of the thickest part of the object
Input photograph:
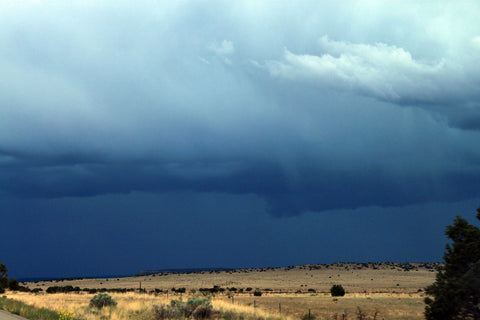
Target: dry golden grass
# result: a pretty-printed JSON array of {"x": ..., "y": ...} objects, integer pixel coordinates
[
  {"x": 129, "y": 304},
  {"x": 222, "y": 304},
  {"x": 137, "y": 305},
  {"x": 388, "y": 306}
]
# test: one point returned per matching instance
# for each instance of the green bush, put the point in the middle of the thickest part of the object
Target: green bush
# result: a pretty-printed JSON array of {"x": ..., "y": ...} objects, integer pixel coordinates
[
  {"x": 337, "y": 290},
  {"x": 257, "y": 293},
  {"x": 102, "y": 300}
]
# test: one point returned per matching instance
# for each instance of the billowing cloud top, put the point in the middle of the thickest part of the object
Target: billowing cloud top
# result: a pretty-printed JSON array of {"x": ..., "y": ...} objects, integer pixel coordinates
[{"x": 310, "y": 105}]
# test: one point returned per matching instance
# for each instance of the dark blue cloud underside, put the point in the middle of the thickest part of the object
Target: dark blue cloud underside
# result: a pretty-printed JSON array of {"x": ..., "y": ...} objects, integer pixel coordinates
[{"x": 313, "y": 190}]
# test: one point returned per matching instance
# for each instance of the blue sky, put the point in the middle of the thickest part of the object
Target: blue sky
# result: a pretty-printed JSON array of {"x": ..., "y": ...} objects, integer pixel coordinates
[{"x": 148, "y": 135}]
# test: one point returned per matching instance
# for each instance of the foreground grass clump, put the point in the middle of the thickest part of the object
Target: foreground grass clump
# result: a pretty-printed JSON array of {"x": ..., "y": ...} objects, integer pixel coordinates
[
  {"x": 27, "y": 311},
  {"x": 195, "y": 307}
]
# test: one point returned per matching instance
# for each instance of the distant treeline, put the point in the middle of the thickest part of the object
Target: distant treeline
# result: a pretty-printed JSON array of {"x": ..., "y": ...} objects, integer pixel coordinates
[
  {"x": 205, "y": 291},
  {"x": 182, "y": 270},
  {"x": 66, "y": 289}
]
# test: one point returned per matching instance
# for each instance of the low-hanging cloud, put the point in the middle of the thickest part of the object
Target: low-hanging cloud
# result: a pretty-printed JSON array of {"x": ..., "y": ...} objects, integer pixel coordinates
[{"x": 100, "y": 103}]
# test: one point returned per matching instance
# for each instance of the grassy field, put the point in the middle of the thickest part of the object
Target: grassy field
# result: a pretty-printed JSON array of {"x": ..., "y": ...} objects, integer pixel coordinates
[
  {"x": 391, "y": 291},
  {"x": 356, "y": 278}
]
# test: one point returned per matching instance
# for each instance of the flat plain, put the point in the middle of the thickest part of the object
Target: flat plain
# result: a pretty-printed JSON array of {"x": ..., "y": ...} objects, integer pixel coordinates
[{"x": 387, "y": 290}]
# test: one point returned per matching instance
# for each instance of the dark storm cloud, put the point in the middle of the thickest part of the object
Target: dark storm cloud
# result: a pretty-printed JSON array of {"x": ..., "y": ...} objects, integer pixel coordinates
[
  {"x": 122, "y": 234},
  {"x": 229, "y": 98}
]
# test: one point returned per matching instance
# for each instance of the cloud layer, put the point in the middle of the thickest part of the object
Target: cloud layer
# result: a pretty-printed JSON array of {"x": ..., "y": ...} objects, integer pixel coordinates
[
  {"x": 311, "y": 107},
  {"x": 380, "y": 71}
]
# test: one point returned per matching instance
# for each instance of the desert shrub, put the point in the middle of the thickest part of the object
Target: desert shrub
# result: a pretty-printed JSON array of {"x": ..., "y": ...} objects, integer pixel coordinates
[
  {"x": 199, "y": 308},
  {"x": 229, "y": 315},
  {"x": 337, "y": 290},
  {"x": 361, "y": 314},
  {"x": 248, "y": 289},
  {"x": 161, "y": 312},
  {"x": 308, "y": 316},
  {"x": 203, "y": 311},
  {"x": 177, "y": 306},
  {"x": 23, "y": 289},
  {"x": 102, "y": 300},
  {"x": 196, "y": 307},
  {"x": 193, "y": 303},
  {"x": 51, "y": 290},
  {"x": 257, "y": 293}
]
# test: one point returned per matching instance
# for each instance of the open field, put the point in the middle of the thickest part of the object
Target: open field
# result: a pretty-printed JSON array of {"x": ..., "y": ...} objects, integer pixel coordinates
[{"x": 394, "y": 291}]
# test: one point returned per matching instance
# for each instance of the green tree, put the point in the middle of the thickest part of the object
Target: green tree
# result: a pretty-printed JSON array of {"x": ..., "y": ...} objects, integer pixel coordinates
[
  {"x": 13, "y": 284},
  {"x": 3, "y": 277},
  {"x": 456, "y": 290}
]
